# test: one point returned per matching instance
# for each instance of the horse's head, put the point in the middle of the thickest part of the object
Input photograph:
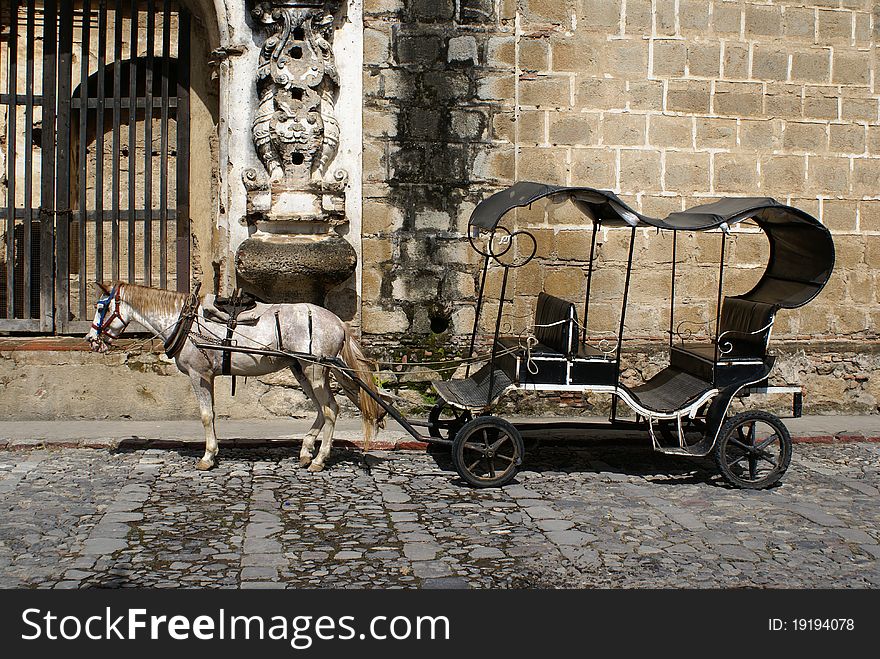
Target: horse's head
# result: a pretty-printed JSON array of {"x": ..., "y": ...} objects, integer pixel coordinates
[{"x": 108, "y": 322}]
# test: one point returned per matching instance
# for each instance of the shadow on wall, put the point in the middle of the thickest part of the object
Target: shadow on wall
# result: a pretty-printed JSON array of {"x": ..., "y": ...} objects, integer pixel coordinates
[{"x": 440, "y": 120}]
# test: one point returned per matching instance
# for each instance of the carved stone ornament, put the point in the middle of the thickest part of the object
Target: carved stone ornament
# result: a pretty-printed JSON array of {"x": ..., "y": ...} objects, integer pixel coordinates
[{"x": 295, "y": 129}]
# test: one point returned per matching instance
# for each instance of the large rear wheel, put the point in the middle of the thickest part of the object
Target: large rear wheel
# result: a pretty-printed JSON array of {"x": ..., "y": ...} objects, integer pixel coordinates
[
  {"x": 487, "y": 452},
  {"x": 753, "y": 450}
]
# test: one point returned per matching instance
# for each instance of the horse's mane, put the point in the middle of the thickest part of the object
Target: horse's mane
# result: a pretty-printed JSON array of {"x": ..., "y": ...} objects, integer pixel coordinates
[{"x": 146, "y": 299}]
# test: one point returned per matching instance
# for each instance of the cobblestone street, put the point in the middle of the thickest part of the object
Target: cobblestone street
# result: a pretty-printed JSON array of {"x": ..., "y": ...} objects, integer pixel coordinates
[{"x": 578, "y": 515}]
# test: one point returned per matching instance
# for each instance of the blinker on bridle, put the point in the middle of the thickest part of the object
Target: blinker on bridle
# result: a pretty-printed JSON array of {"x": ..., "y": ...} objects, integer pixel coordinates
[{"x": 104, "y": 321}]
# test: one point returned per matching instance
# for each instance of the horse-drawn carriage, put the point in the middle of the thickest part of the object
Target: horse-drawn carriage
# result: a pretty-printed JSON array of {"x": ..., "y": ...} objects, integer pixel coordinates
[{"x": 684, "y": 407}]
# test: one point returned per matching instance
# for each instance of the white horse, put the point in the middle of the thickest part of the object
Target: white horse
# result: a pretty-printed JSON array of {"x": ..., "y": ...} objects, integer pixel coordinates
[{"x": 304, "y": 329}]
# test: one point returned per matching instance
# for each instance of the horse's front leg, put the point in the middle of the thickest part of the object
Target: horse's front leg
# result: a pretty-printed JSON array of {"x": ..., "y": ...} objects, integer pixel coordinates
[
  {"x": 203, "y": 386},
  {"x": 330, "y": 409}
]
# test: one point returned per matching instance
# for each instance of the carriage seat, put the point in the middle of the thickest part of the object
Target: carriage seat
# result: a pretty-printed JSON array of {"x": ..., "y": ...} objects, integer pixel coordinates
[{"x": 740, "y": 337}]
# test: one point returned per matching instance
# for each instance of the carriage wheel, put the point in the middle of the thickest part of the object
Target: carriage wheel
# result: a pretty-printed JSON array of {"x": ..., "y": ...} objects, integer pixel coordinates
[
  {"x": 753, "y": 450},
  {"x": 436, "y": 424},
  {"x": 487, "y": 452}
]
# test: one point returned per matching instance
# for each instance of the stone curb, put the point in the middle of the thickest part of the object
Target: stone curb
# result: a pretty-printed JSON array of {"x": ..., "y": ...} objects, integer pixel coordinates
[{"x": 139, "y": 443}]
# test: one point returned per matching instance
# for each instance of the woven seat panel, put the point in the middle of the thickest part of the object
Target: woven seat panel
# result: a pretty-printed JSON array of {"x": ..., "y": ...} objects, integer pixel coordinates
[
  {"x": 473, "y": 392},
  {"x": 670, "y": 390}
]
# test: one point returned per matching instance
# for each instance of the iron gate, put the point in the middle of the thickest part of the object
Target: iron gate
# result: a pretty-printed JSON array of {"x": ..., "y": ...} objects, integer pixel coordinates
[{"x": 94, "y": 147}]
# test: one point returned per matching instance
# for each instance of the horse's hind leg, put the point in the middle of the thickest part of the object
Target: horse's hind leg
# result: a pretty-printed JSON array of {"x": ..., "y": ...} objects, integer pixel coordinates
[
  {"x": 330, "y": 409},
  {"x": 308, "y": 443},
  {"x": 203, "y": 386}
]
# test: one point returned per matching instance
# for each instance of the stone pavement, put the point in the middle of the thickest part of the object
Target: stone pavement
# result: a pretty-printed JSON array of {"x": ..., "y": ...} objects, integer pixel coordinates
[{"x": 594, "y": 513}]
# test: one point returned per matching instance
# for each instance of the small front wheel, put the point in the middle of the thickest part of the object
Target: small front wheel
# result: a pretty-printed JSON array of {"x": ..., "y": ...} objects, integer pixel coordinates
[
  {"x": 753, "y": 450},
  {"x": 438, "y": 423},
  {"x": 487, "y": 452}
]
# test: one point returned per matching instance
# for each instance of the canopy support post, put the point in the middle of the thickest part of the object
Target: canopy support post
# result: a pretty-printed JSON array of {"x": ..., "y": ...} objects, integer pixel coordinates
[
  {"x": 477, "y": 314},
  {"x": 672, "y": 289},
  {"x": 495, "y": 337},
  {"x": 718, "y": 307},
  {"x": 589, "y": 282},
  {"x": 629, "y": 263}
]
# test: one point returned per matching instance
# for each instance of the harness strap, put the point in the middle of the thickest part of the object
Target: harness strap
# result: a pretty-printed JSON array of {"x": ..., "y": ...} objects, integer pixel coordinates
[{"x": 176, "y": 340}]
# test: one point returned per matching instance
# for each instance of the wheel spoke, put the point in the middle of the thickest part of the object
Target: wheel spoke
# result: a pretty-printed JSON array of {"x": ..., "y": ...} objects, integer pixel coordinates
[
  {"x": 508, "y": 458},
  {"x": 475, "y": 447},
  {"x": 738, "y": 460},
  {"x": 740, "y": 445},
  {"x": 753, "y": 467},
  {"x": 473, "y": 466},
  {"x": 491, "y": 464},
  {"x": 497, "y": 444},
  {"x": 763, "y": 455},
  {"x": 751, "y": 438},
  {"x": 766, "y": 442}
]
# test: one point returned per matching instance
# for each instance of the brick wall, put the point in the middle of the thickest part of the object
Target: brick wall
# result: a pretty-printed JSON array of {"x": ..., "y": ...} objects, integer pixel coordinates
[{"x": 670, "y": 103}]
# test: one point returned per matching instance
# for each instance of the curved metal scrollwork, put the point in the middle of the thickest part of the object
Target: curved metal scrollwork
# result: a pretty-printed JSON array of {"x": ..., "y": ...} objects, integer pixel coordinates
[{"x": 499, "y": 243}]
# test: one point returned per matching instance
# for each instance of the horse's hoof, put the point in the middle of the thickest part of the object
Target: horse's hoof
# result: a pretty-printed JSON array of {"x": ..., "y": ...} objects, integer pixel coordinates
[
  {"x": 304, "y": 460},
  {"x": 202, "y": 465},
  {"x": 315, "y": 467}
]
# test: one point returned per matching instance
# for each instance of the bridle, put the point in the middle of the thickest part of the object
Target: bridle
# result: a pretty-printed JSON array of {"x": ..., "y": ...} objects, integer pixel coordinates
[{"x": 103, "y": 328}]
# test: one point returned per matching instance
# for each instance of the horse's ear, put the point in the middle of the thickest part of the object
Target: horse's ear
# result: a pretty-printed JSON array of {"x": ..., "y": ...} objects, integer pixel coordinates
[{"x": 103, "y": 288}]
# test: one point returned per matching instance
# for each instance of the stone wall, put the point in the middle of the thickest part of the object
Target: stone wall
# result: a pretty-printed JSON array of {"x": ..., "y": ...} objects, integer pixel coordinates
[{"x": 670, "y": 103}]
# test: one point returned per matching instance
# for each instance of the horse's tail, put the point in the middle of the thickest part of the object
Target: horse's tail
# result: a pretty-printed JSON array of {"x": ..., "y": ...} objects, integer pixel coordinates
[{"x": 371, "y": 412}]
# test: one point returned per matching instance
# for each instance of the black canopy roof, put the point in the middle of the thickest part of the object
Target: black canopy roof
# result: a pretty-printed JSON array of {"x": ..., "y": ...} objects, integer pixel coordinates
[{"x": 801, "y": 248}]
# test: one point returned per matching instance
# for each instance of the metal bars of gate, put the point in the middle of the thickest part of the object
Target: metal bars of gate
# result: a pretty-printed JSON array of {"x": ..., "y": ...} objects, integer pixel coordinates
[{"x": 98, "y": 72}]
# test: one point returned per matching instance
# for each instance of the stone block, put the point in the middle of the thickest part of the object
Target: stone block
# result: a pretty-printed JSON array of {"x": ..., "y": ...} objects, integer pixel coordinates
[
  {"x": 531, "y": 126},
  {"x": 671, "y": 131},
  {"x": 492, "y": 87},
  {"x": 576, "y": 128},
  {"x": 593, "y": 167},
  {"x": 760, "y": 134},
  {"x": 811, "y": 65},
  {"x": 623, "y": 129},
  {"x": 869, "y": 215},
  {"x": 579, "y": 53},
  {"x": 829, "y": 175},
  {"x": 821, "y": 103},
  {"x": 534, "y": 54},
  {"x": 603, "y": 15},
  {"x": 839, "y": 214},
  {"x": 376, "y": 320},
  {"x": 693, "y": 16},
  {"x": 835, "y": 26},
  {"x": 688, "y": 96},
  {"x": 546, "y": 91},
  {"x": 638, "y": 19},
  {"x": 625, "y": 57},
  {"x": 504, "y": 126},
  {"x": 604, "y": 93},
  {"x": 380, "y": 216},
  {"x": 847, "y": 138},
  {"x": 376, "y": 251},
  {"x": 551, "y": 11},
  {"x": 769, "y": 63},
  {"x": 712, "y": 133},
  {"x": 664, "y": 17},
  {"x": 670, "y": 58},
  {"x": 568, "y": 283},
  {"x": 738, "y": 99},
  {"x": 371, "y": 285},
  {"x": 783, "y": 173},
  {"x": 645, "y": 95},
  {"x": 704, "y": 60},
  {"x": 573, "y": 245},
  {"x": 736, "y": 60},
  {"x": 727, "y": 18},
  {"x": 804, "y": 136},
  {"x": 762, "y": 20},
  {"x": 494, "y": 164},
  {"x": 543, "y": 164},
  {"x": 735, "y": 173},
  {"x": 851, "y": 67},
  {"x": 462, "y": 49},
  {"x": 687, "y": 172},
  {"x": 858, "y": 109},
  {"x": 865, "y": 176},
  {"x": 799, "y": 23},
  {"x": 640, "y": 171},
  {"x": 501, "y": 51}
]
